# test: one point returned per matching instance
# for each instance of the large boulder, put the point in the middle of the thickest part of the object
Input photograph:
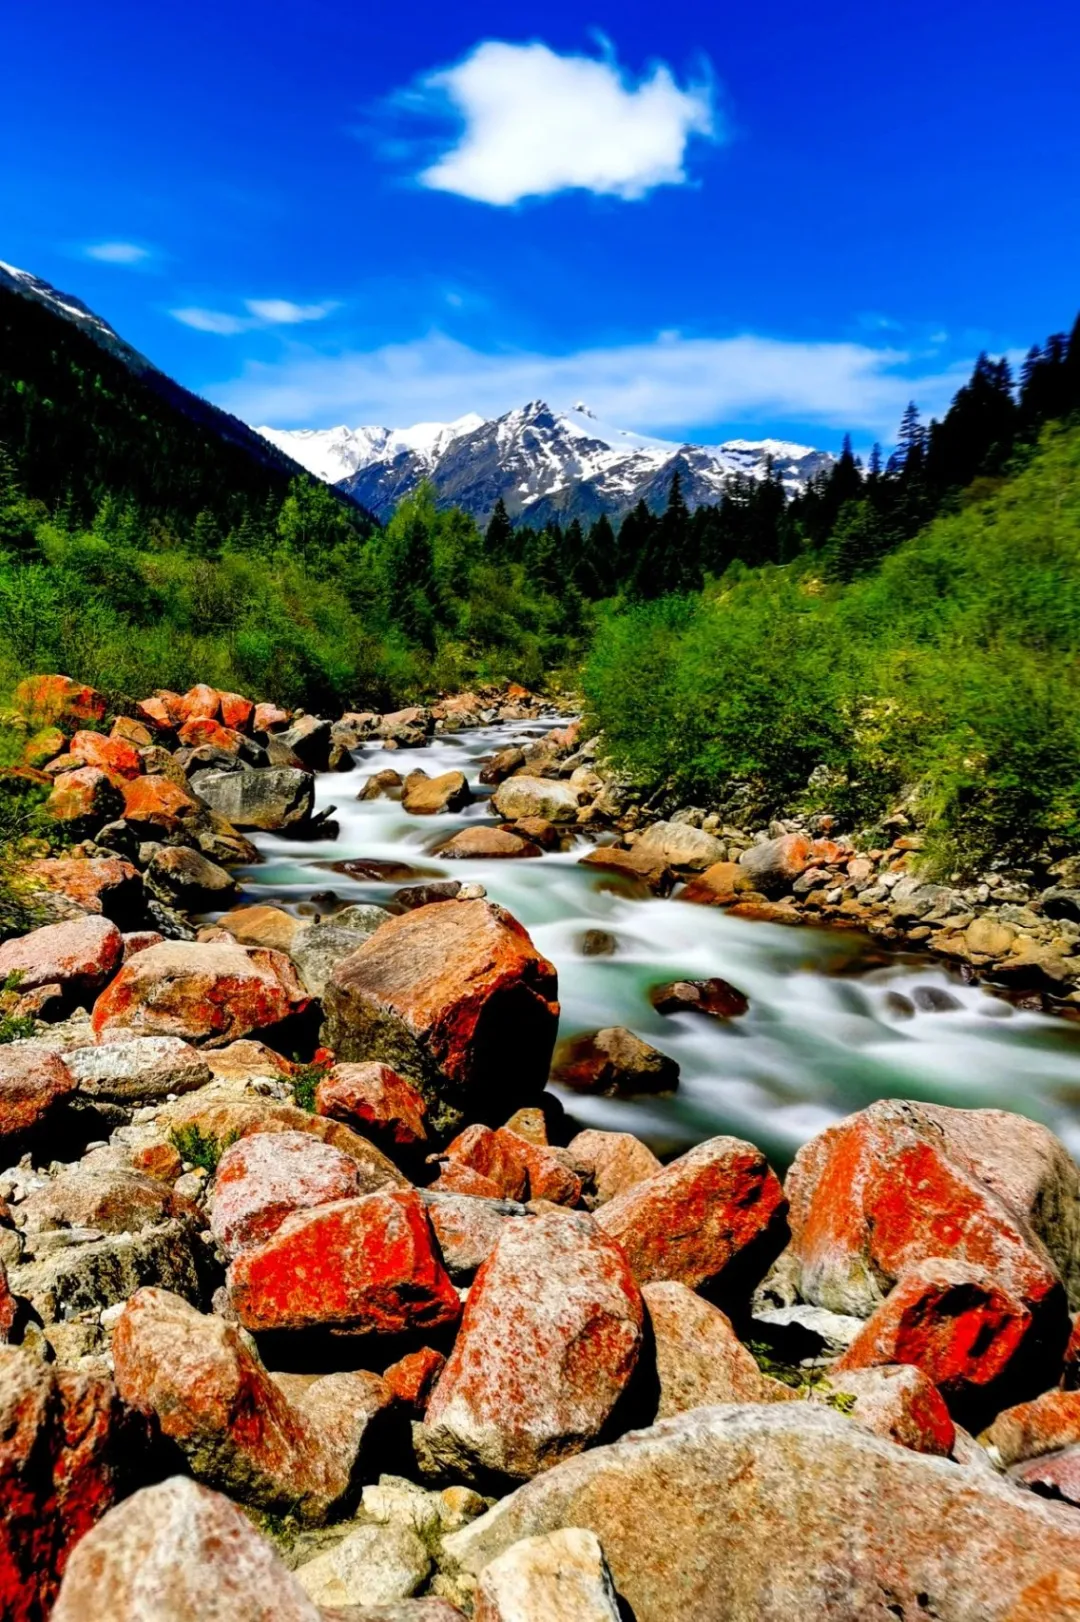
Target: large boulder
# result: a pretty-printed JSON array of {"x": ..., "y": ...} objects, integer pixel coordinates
[
  {"x": 33, "y": 1081},
  {"x": 713, "y": 1218},
  {"x": 424, "y": 796},
  {"x": 138, "y": 1071},
  {"x": 481, "y": 843},
  {"x": 782, "y": 1511},
  {"x": 903, "y": 1182},
  {"x": 179, "y": 1553},
  {"x": 239, "y": 1431},
  {"x": 103, "y": 884},
  {"x": 209, "y": 992},
  {"x": 681, "y": 845},
  {"x": 321, "y": 947},
  {"x": 181, "y": 877},
  {"x": 558, "y": 1577},
  {"x": 645, "y": 867},
  {"x": 353, "y": 1267},
  {"x": 546, "y": 797},
  {"x": 80, "y": 955},
  {"x": 612, "y": 1161},
  {"x": 57, "y": 700},
  {"x": 270, "y": 799},
  {"x": 455, "y": 997},
  {"x": 61, "y": 1450},
  {"x": 700, "y": 1361},
  {"x": 549, "y": 1341},
  {"x": 262, "y": 1179},
  {"x": 615, "y": 1062}
]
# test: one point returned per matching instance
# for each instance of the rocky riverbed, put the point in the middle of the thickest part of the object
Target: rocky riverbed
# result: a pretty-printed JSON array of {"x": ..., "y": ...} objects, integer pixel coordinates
[{"x": 332, "y": 1284}]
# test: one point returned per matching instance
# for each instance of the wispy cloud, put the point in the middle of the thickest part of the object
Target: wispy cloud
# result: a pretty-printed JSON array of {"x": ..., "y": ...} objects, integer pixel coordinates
[
  {"x": 669, "y": 383},
  {"x": 117, "y": 253},
  {"x": 537, "y": 123},
  {"x": 265, "y": 312}
]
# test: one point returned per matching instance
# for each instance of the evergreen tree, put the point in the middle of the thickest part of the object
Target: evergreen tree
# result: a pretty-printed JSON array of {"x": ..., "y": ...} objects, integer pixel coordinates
[
  {"x": 597, "y": 572},
  {"x": 499, "y": 535},
  {"x": 635, "y": 533},
  {"x": 17, "y": 530}
]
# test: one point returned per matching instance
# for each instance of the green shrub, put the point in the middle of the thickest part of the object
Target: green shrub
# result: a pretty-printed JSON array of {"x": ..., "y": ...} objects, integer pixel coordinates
[{"x": 198, "y": 1148}]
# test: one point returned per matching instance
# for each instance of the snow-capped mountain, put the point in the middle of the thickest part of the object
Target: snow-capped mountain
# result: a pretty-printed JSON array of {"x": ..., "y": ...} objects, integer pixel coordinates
[
  {"x": 74, "y": 310},
  {"x": 544, "y": 464}
]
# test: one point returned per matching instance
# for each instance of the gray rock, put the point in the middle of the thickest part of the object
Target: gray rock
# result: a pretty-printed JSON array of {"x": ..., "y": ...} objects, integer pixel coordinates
[
  {"x": 139, "y": 1070},
  {"x": 682, "y": 845},
  {"x": 375, "y": 1565},
  {"x": 536, "y": 797},
  {"x": 103, "y": 1272},
  {"x": 557, "y": 1577},
  {"x": 180, "y": 877},
  {"x": 320, "y": 948},
  {"x": 800, "y": 1332},
  {"x": 310, "y": 740},
  {"x": 280, "y": 797}
]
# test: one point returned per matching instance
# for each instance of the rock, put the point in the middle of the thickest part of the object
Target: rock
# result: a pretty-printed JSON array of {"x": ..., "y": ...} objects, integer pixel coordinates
[
  {"x": 238, "y": 1430},
  {"x": 102, "y": 1199},
  {"x": 236, "y": 711},
  {"x": 1054, "y": 1475},
  {"x": 614, "y": 1062},
  {"x": 504, "y": 763},
  {"x": 375, "y": 1565},
  {"x": 374, "y": 1100},
  {"x": 268, "y": 718},
  {"x": 33, "y": 1081},
  {"x": 775, "y": 865},
  {"x": 1053, "y": 1598},
  {"x": 1031, "y": 1429},
  {"x": 274, "y": 798},
  {"x": 539, "y": 831},
  {"x": 219, "y": 1115},
  {"x": 457, "y": 999},
  {"x": 181, "y": 877},
  {"x": 715, "y": 997},
  {"x": 261, "y": 925},
  {"x": 408, "y": 727},
  {"x": 103, "y": 885},
  {"x": 713, "y": 1218},
  {"x": 806, "y": 1515},
  {"x": 700, "y": 1360},
  {"x": 96, "y": 1274},
  {"x": 467, "y": 1228},
  {"x": 202, "y": 992},
  {"x": 799, "y": 1331},
  {"x": 412, "y": 1377},
  {"x": 614, "y": 1161},
  {"x": 529, "y": 1124},
  {"x": 359, "y": 1266},
  {"x": 719, "y": 885},
  {"x": 904, "y": 1182},
  {"x": 324, "y": 945},
  {"x": 425, "y": 796},
  {"x": 51, "y": 700},
  {"x": 262, "y": 1179},
  {"x": 80, "y": 955},
  {"x": 310, "y": 740},
  {"x": 61, "y": 1446},
  {"x": 179, "y": 1553},
  {"x": 643, "y": 866},
  {"x": 988, "y": 937},
  {"x": 157, "y": 804},
  {"x": 519, "y": 1169},
  {"x": 558, "y": 1577},
  {"x": 483, "y": 844},
  {"x": 897, "y": 1402},
  {"x": 523, "y": 796},
  {"x": 680, "y": 845},
  {"x": 549, "y": 1340},
  {"x": 968, "y": 1334},
  {"x": 382, "y": 785}
]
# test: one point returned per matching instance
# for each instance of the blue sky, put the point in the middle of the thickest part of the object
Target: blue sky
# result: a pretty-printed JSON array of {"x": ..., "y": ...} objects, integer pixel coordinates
[{"x": 702, "y": 220}]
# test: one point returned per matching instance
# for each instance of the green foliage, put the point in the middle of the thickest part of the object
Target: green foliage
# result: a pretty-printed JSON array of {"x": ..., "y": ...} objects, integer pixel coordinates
[
  {"x": 198, "y": 1148},
  {"x": 304, "y": 1081},
  {"x": 950, "y": 669}
]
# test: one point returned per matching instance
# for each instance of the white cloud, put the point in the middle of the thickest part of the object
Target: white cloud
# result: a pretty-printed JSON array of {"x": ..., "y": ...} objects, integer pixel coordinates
[
  {"x": 537, "y": 123},
  {"x": 117, "y": 253},
  {"x": 262, "y": 312},
  {"x": 665, "y": 385}
]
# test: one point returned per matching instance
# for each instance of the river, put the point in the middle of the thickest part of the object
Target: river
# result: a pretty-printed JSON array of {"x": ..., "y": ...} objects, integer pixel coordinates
[{"x": 826, "y": 1032}]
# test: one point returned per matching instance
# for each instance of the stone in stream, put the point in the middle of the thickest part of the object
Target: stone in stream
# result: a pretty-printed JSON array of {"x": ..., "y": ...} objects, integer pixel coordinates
[
  {"x": 719, "y": 885},
  {"x": 680, "y": 845},
  {"x": 641, "y": 866},
  {"x": 536, "y": 797},
  {"x": 550, "y": 1338},
  {"x": 715, "y": 997},
  {"x": 787, "y": 1510},
  {"x": 272, "y": 799},
  {"x": 424, "y": 796},
  {"x": 179, "y": 1553},
  {"x": 201, "y": 991},
  {"x": 503, "y": 764},
  {"x": 486, "y": 844},
  {"x": 559, "y": 1577},
  {"x": 386, "y": 784},
  {"x": 614, "y": 1062},
  {"x": 455, "y": 998}
]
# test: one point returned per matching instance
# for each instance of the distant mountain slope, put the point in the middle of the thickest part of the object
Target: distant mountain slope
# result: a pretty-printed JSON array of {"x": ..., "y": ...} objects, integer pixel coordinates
[
  {"x": 545, "y": 464},
  {"x": 86, "y": 416}
]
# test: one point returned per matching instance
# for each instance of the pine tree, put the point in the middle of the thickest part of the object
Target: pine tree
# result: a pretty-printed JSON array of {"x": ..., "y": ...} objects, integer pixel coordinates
[
  {"x": 499, "y": 535},
  {"x": 17, "y": 533}
]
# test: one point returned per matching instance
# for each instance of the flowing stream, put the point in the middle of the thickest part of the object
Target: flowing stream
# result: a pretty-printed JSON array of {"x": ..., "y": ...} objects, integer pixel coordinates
[{"x": 833, "y": 1022}]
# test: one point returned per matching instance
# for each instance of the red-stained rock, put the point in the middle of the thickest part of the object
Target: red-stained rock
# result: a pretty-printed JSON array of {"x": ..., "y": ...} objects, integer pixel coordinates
[
  {"x": 1053, "y": 1475},
  {"x": 355, "y": 1267},
  {"x": 200, "y": 703},
  {"x": 775, "y": 865},
  {"x": 159, "y": 712},
  {"x": 412, "y": 1377},
  {"x": 645, "y": 866},
  {"x": 237, "y": 1427},
  {"x": 160, "y": 1160},
  {"x": 468, "y": 1227},
  {"x": 55, "y": 700},
  {"x": 32, "y": 1081},
  {"x": 85, "y": 798},
  {"x": 612, "y": 1161},
  {"x": 428, "y": 796},
  {"x": 903, "y": 1182},
  {"x": 59, "y": 1458},
  {"x": 376, "y": 1101},
  {"x": 549, "y": 1340},
  {"x": 614, "y": 1062},
  {"x": 717, "y": 998},
  {"x": 713, "y": 1217},
  {"x": 204, "y": 992},
  {"x": 968, "y": 1334},
  {"x": 262, "y": 1179},
  {"x": 269, "y": 718},
  {"x": 201, "y": 729},
  {"x": 1049, "y": 1422},
  {"x": 156, "y": 801},
  {"x": 520, "y": 1170},
  {"x": 486, "y": 844},
  {"x": 719, "y": 886},
  {"x": 699, "y": 1358},
  {"x": 218, "y": 1113},
  {"x": 179, "y": 1553},
  {"x": 456, "y": 998},
  {"x": 104, "y": 884},
  {"x": 454, "y": 1178},
  {"x": 113, "y": 755},
  {"x": 139, "y": 939},
  {"x": 896, "y": 1401},
  {"x": 80, "y": 955},
  {"x": 236, "y": 711}
]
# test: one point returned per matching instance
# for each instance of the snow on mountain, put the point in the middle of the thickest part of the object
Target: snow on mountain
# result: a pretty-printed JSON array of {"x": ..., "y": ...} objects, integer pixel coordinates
[
  {"x": 72, "y": 309},
  {"x": 546, "y": 465}
]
